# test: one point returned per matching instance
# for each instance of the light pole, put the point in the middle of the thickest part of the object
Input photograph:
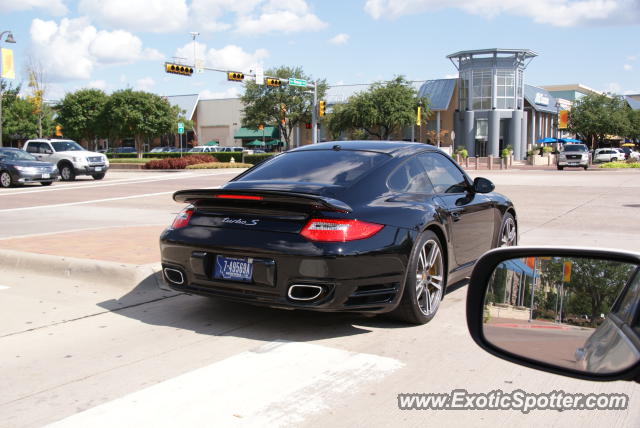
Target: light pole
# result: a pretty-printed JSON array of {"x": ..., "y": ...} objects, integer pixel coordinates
[{"x": 9, "y": 39}]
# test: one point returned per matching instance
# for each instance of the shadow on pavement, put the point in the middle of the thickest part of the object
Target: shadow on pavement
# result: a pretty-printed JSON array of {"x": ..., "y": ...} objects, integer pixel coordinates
[{"x": 149, "y": 304}]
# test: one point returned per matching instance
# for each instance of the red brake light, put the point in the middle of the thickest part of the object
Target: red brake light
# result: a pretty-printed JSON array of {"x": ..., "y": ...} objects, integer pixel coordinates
[
  {"x": 331, "y": 230},
  {"x": 182, "y": 219},
  {"x": 249, "y": 197}
]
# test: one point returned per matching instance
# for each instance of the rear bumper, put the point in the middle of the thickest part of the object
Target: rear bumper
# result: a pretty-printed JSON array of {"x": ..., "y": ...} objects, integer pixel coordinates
[{"x": 359, "y": 276}]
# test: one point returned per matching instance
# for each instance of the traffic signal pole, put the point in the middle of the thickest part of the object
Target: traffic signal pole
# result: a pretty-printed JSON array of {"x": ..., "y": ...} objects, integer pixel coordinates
[{"x": 314, "y": 115}]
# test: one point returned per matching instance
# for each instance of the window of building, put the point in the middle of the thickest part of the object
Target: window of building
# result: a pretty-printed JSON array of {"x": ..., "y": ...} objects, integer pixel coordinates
[
  {"x": 464, "y": 90},
  {"x": 505, "y": 90},
  {"x": 482, "y": 82}
]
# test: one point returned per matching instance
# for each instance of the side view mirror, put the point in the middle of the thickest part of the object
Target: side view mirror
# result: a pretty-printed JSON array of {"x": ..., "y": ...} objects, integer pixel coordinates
[
  {"x": 482, "y": 185},
  {"x": 568, "y": 311}
]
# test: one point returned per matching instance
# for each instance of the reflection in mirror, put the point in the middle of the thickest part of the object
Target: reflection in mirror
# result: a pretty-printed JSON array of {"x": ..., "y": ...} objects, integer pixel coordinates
[{"x": 560, "y": 311}]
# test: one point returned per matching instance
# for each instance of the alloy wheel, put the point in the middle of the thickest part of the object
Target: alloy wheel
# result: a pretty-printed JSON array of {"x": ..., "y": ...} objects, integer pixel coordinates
[
  {"x": 5, "y": 179},
  {"x": 429, "y": 278},
  {"x": 508, "y": 233}
]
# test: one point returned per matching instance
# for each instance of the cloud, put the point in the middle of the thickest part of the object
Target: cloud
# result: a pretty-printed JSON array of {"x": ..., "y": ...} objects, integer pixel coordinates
[
  {"x": 157, "y": 16},
  {"x": 230, "y": 57},
  {"x": 97, "y": 84},
  {"x": 340, "y": 39},
  {"x": 73, "y": 48},
  {"x": 145, "y": 84},
  {"x": 286, "y": 16},
  {"x": 627, "y": 67},
  {"x": 209, "y": 14},
  {"x": 451, "y": 76},
  {"x": 54, "y": 7},
  {"x": 233, "y": 92},
  {"x": 560, "y": 13},
  {"x": 632, "y": 57},
  {"x": 613, "y": 88}
]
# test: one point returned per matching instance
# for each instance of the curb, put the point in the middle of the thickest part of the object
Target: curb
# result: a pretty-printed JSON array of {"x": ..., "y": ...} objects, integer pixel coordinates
[{"x": 121, "y": 275}]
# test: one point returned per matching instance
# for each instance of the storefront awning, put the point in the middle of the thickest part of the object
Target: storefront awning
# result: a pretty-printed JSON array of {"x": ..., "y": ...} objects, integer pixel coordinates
[{"x": 255, "y": 134}]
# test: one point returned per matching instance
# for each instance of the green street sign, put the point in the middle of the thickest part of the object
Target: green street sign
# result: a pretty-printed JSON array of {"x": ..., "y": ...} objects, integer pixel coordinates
[
  {"x": 180, "y": 128},
  {"x": 297, "y": 82}
]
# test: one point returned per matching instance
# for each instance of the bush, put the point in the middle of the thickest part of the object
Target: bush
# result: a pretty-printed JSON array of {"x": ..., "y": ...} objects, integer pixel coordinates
[
  {"x": 179, "y": 163},
  {"x": 462, "y": 152},
  {"x": 219, "y": 165},
  {"x": 547, "y": 149},
  {"x": 257, "y": 158},
  {"x": 505, "y": 153}
]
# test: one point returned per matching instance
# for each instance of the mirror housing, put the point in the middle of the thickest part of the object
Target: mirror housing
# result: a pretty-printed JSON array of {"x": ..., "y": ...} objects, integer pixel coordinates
[
  {"x": 481, "y": 278},
  {"x": 483, "y": 185}
]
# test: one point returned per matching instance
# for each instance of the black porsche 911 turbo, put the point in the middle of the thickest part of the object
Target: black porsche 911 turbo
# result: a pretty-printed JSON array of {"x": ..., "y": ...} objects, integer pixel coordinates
[{"x": 354, "y": 226}]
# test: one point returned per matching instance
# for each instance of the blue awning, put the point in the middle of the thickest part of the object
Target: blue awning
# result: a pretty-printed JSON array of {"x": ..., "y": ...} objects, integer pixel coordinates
[{"x": 518, "y": 265}]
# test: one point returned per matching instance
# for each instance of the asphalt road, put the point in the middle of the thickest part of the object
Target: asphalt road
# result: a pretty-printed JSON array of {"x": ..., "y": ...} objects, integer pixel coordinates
[{"x": 79, "y": 354}]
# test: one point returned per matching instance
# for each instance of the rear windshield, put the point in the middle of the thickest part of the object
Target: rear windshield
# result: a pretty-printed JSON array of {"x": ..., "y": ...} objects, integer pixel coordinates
[
  {"x": 575, "y": 148},
  {"x": 334, "y": 167}
]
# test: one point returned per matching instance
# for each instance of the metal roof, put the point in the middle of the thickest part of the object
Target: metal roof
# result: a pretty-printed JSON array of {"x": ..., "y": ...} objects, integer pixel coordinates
[
  {"x": 540, "y": 99},
  {"x": 633, "y": 103},
  {"x": 527, "y": 52},
  {"x": 439, "y": 92},
  {"x": 188, "y": 103}
]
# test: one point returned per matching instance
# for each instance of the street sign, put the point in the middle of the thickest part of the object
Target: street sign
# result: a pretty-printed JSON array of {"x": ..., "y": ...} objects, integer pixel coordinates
[
  {"x": 297, "y": 82},
  {"x": 199, "y": 66},
  {"x": 180, "y": 128},
  {"x": 259, "y": 76}
]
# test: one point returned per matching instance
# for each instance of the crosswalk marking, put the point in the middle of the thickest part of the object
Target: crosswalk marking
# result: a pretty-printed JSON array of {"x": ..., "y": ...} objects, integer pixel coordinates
[{"x": 278, "y": 384}]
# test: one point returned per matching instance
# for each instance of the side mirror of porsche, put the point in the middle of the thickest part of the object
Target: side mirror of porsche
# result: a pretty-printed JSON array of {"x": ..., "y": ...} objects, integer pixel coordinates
[
  {"x": 568, "y": 311},
  {"x": 482, "y": 185}
]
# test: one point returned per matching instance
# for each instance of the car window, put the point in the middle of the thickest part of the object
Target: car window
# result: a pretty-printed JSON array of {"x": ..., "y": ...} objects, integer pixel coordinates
[
  {"x": 625, "y": 307},
  {"x": 33, "y": 147},
  {"x": 410, "y": 177},
  {"x": 444, "y": 175},
  {"x": 338, "y": 167}
]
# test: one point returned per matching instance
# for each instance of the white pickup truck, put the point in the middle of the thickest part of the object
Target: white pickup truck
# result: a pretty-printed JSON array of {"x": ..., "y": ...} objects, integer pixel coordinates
[{"x": 71, "y": 158}]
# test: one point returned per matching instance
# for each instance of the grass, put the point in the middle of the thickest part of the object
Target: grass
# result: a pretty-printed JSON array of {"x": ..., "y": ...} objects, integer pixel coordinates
[
  {"x": 620, "y": 165},
  {"x": 219, "y": 165}
]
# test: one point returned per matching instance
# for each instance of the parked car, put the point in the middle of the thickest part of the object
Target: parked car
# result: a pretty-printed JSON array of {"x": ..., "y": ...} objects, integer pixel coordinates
[
  {"x": 607, "y": 155},
  {"x": 630, "y": 153},
  {"x": 573, "y": 155},
  {"x": 122, "y": 150},
  {"x": 163, "y": 149},
  {"x": 18, "y": 167},
  {"x": 230, "y": 149},
  {"x": 70, "y": 157},
  {"x": 203, "y": 149},
  {"x": 606, "y": 349},
  {"x": 353, "y": 226}
]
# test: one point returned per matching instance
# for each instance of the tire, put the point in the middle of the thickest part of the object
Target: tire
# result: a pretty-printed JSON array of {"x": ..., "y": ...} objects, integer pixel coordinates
[
  {"x": 66, "y": 172},
  {"x": 560, "y": 168},
  {"x": 5, "y": 179},
  {"x": 46, "y": 183},
  {"x": 613, "y": 159},
  {"x": 425, "y": 283},
  {"x": 98, "y": 176},
  {"x": 508, "y": 233},
  {"x": 586, "y": 167}
]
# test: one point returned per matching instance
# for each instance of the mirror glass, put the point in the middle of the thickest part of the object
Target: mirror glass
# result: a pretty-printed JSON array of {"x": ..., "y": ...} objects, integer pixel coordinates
[{"x": 570, "y": 312}]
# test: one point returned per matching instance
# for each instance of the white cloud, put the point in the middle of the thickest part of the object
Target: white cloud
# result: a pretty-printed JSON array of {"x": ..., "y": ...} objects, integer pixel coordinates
[
  {"x": 157, "y": 16},
  {"x": 451, "y": 76},
  {"x": 73, "y": 48},
  {"x": 286, "y": 16},
  {"x": 145, "y": 84},
  {"x": 209, "y": 14},
  {"x": 233, "y": 92},
  {"x": 54, "y": 7},
  {"x": 627, "y": 67},
  {"x": 340, "y": 39},
  {"x": 613, "y": 87},
  {"x": 230, "y": 57},
  {"x": 97, "y": 84},
  {"x": 560, "y": 13},
  {"x": 632, "y": 57}
]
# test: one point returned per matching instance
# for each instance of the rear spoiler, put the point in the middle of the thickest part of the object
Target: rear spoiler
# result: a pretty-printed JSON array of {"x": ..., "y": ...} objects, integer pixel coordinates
[{"x": 193, "y": 196}]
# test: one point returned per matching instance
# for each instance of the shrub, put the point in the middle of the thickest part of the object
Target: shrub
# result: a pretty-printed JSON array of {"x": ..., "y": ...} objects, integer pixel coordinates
[
  {"x": 219, "y": 165},
  {"x": 462, "y": 152},
  {"x": 179, "y": 163},
  {"x": 505, "y": 153}
]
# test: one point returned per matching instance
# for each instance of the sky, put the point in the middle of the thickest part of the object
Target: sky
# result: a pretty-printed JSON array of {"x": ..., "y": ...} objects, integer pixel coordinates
[{"x": 119, "y": 44}]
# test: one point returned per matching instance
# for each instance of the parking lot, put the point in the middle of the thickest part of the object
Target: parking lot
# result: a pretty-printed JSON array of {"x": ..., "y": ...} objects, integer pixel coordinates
[{"x": 106, "y": 352}]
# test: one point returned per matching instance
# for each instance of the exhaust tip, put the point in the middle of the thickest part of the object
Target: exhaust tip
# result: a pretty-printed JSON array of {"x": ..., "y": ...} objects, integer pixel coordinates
[
  {"x": 304, "y": 292},
  {"x": 174, "y": 276}
]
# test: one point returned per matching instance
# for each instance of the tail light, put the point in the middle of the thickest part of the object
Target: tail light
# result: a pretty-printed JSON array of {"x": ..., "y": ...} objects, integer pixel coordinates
[
  {"x": 182, "y": 219},
  {"x": 330, "y": 230}
]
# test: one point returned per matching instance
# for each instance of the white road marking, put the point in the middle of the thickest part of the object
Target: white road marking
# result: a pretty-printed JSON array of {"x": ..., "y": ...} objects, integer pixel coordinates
[
  {"x": 154, "y": 178},
  {"x": 278, "y": 384},
  {"x": 4, "y": 287},
  {"x": 93, "y": 201},
  {"x": 86, "y": 229}
]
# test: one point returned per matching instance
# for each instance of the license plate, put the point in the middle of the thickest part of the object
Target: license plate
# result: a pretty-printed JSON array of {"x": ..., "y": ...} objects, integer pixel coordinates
[
  {"x": 233, "y": 268},
  {"x": 574, "y": 163},
  {"x": 46, "y": 176},
  {"x": 98, "y": 169}
]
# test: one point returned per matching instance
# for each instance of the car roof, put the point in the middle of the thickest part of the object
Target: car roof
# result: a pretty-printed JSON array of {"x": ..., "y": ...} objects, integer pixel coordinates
[{"x": 393, "y": 148}]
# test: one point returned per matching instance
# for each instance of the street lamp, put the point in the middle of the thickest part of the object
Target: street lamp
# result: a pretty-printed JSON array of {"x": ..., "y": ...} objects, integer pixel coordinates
[{"x": 8, "y": 39}]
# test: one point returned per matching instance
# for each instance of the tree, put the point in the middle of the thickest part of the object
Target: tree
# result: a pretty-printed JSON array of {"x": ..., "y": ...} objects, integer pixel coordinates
[
  {"x": 595, "y": 116},
  {"x": 268, "y": 105},
  {"x": 37, "y": 83},
  {"x": 18, "y": 119},
  {"x": 138, "y": 114},
  {"x": 386, "y": 108},
  {"x": 81, "y": 114},
  {"x": 634, "y": 124}
]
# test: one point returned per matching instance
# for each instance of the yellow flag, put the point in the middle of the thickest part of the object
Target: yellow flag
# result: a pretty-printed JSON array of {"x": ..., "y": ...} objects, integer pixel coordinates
[
  {"x": 8, "y": 71},
  {"x": 419, "y": 118},
  {"x": 566, "y": 272}
]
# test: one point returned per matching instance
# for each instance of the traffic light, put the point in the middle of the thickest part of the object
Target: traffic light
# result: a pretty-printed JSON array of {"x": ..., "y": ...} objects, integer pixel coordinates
[
  {"x": 58, "y": 131},
  {"x": 321, "y": 108},
  {"x": 185, "y": 70},
  {"x": 273, "y": 81},
  {"x": 236, "y": 76}
]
